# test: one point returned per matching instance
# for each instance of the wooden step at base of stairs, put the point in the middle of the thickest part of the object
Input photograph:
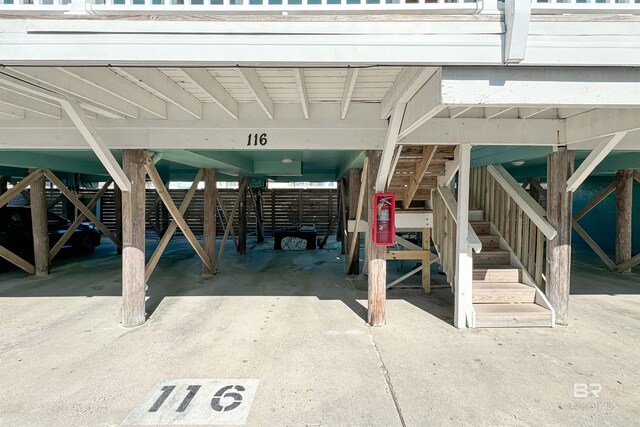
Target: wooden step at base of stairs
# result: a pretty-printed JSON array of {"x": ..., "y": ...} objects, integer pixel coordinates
[
  {"x": 502, "y": 293},
  {"x": 511, "y": 316},
  {"x": 489, "y": 241},
  {"x": 492, "y": 256},
  {"x": 481, "y": 227},
  {"x": 497, "y": 273},
  {"x": 476, "y": 215}
]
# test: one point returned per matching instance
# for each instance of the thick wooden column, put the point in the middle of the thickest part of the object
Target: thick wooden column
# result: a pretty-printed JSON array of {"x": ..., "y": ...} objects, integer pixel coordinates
[
  {"x": 210, "y": 195},
  {"x": 259, "y": 216},
  {"x": 377, "y": 268},
  {"x": 355, "y": 176},
  {"x": 117, "y": 202},
  {"x": 133, "y": 240},
  {"x": 39, "y": 227},
  {"x": 426, "y": 262},
  {"x": 559, "y": 214},
  {"x": 242, "y": 216},
  {"x": 624, "y": 202}
]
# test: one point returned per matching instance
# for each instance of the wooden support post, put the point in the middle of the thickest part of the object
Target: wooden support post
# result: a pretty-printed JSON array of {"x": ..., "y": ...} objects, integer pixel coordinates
[
  {"x": 39, "y": 227},
  {"x": 624, "y": 199},
  {"x": 242, "y": 215},
  {"x": 343, "y": 219},
  {"x": 377, "y": 279},
  {"x": 256, "y": 200},
  {"x": 464, "y": 261},
  {"x": 426, "y": 261},
  {"x": 355, "y": 178},
  {"x": 210, "y": 196},
  {"x": 133, "y": 239},
  {"x": 559, "y": 204},
  {"x": 118, "y": 213}
]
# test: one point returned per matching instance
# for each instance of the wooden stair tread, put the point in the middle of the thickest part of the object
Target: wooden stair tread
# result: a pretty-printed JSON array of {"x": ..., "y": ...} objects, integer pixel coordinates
[
  {"x": 496, "y": 267},
  {"x": 510, "y": 309}
]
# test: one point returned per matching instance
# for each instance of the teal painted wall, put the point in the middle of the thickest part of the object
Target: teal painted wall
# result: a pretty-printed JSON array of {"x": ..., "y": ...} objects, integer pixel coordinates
[{"x": 600, "y": 222}]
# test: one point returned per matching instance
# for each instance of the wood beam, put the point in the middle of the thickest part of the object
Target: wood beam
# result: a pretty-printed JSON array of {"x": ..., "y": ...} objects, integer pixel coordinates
[
  {"x": 16, "y": 260},
  {"x": 203, "y": 78},
  {"x": 133, "y": 240},
  {"x": 559, "y": 214},
  {"x": 39, "y": 227},
  {"x": 241, "y": 189},
  {"x": 72, "y": 228},
  {"x": 593, "y": 159},
  {"x": 408, "y": 82},
  {"x": 91, "y": 135},
  {"x": 105, "y": 79},
  {"x": 175, "y": 212},
  {"x": 20, "y": 186},
  {"x": 173, "y": 226},
  {"x": 603, "y": 194},
  {"x": 624, "y": 210},
  {"x": 425, "y": 104},
  {"x": 388, "y": 151},
  {"x": 428, "y": 152},
  {"x": 377, "y": 263},
  {"x": 225, "y": 216},
  {"x": 159, "y": 83},
  {"x": 72, "y": 87},
  {"x": 27, "y": 103},
  {"x": 593, "y": 245},
  {"x": 242, "y": 217},
  {"x": 254, "y": 84},
  {"x": 11, "y": 112},
  {"x": 209, "y": 212},
  {"x": 302, "y": 91},
  {"x": 354, "y": 242},
  {"x": 347, "y": 92}
]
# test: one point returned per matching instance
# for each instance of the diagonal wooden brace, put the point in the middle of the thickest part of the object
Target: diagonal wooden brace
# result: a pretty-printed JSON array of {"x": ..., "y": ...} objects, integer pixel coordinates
[
  {"x": 67, "y": 235},
  {"x": 81, "y": 207},
  {"x": 230, "y": 222},
  {"x": 16, "y": 260},
  {"x": 176, "y": 215},
  {"x": 20, "y": 186},
  {"x": 173, "y": 226}
]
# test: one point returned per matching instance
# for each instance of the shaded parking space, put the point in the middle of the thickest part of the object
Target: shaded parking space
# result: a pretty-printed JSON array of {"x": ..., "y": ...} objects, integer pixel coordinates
[{"x": 295, "y": 322}]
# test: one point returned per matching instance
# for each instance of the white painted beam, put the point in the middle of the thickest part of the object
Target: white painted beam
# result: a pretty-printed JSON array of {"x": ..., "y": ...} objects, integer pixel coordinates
[
  {"x": 254, "y": 84},
  {"x": 302, "y": 91},
  {"x": 442, "y": 131},
  {"x": 425, "y": 104},
  {"x": 389, "y": 147},
  {"x": 163, "y": 85},
  {"x": 10, "y": 98},
  {"x": 463, "y": 307},
  {"x": 107, "y": 80},
  {"x": 210, "y": 85},
  {"x": 408, "y": 82},
  {"x": 75, "y": 112},
  {"x": 602, "y": 123},
  {"x": 70, "y": 86},
  {"x": 347, "y": 92},
  {"x": 517, "y": 14},
  {"x": 593, "y": 160}
]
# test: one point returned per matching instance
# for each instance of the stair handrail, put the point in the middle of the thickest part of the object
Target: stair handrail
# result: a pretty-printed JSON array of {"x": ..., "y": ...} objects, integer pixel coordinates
[
  {"x": 529, "y": 206},
  {"x": 452, "y": 206}
]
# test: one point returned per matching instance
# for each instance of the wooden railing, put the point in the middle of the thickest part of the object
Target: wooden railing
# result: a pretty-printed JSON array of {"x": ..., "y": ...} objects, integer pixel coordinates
[
  {"x": 444, "y": 234},
  {"x": 518, "y": 217}
]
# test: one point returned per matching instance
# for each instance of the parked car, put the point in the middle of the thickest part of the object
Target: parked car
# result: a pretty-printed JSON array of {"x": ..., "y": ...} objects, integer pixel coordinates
[{"x": 16, "y": 234}]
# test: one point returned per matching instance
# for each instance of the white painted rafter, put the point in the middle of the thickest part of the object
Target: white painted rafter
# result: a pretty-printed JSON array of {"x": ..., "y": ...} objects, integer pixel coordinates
[
  {"x": 164, "y": 86},
  {"x": 424, "y": 105},
  {"x": 347, "y": 92},
  {"x": 302, "y": 91},
  {"x": 210, "y": 85},
  {"x": 593, "y": 160},
  {"x": 91, "y": 135},
  {"x": 105, "y": 79},
  {"x": 389, "y": 147},
  {"x": 11, "y": 112},
  {"x": 70, "y": 86},
  {"x": 254, "y": 84},
  {"x": 408, "y": 82},
  {"x": 527, "y": 113},
  {"x": 14, "y": 99},
  {"x": 492, "y": 113}
]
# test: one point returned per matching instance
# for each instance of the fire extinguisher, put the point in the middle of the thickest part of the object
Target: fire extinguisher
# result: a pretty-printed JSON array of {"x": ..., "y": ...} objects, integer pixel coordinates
[{"x": 384, "y": 219}]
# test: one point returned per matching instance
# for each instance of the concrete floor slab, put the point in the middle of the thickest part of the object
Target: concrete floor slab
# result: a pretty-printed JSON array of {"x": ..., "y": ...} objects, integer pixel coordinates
[{"x": 293, "y": 321}]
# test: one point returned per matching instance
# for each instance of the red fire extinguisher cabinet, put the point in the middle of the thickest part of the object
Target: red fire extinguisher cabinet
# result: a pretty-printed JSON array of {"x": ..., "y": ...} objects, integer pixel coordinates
[{"x": 384, "y": 219}]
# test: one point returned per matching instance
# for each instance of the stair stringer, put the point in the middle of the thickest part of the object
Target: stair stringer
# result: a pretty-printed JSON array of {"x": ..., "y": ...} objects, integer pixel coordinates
[{"x": 541, "y": 298}]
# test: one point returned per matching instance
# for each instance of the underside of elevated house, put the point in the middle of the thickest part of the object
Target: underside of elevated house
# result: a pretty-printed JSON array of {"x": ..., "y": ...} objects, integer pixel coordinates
[{"x": 486, "y": 121}]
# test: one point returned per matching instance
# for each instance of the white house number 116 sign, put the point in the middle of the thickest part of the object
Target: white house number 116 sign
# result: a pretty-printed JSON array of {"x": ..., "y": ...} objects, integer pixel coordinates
[{"x": 196, "y": 402}]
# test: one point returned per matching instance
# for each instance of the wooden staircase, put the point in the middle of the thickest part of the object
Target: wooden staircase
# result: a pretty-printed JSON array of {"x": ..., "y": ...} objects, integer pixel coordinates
[{"x": 501, "y": 299}]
